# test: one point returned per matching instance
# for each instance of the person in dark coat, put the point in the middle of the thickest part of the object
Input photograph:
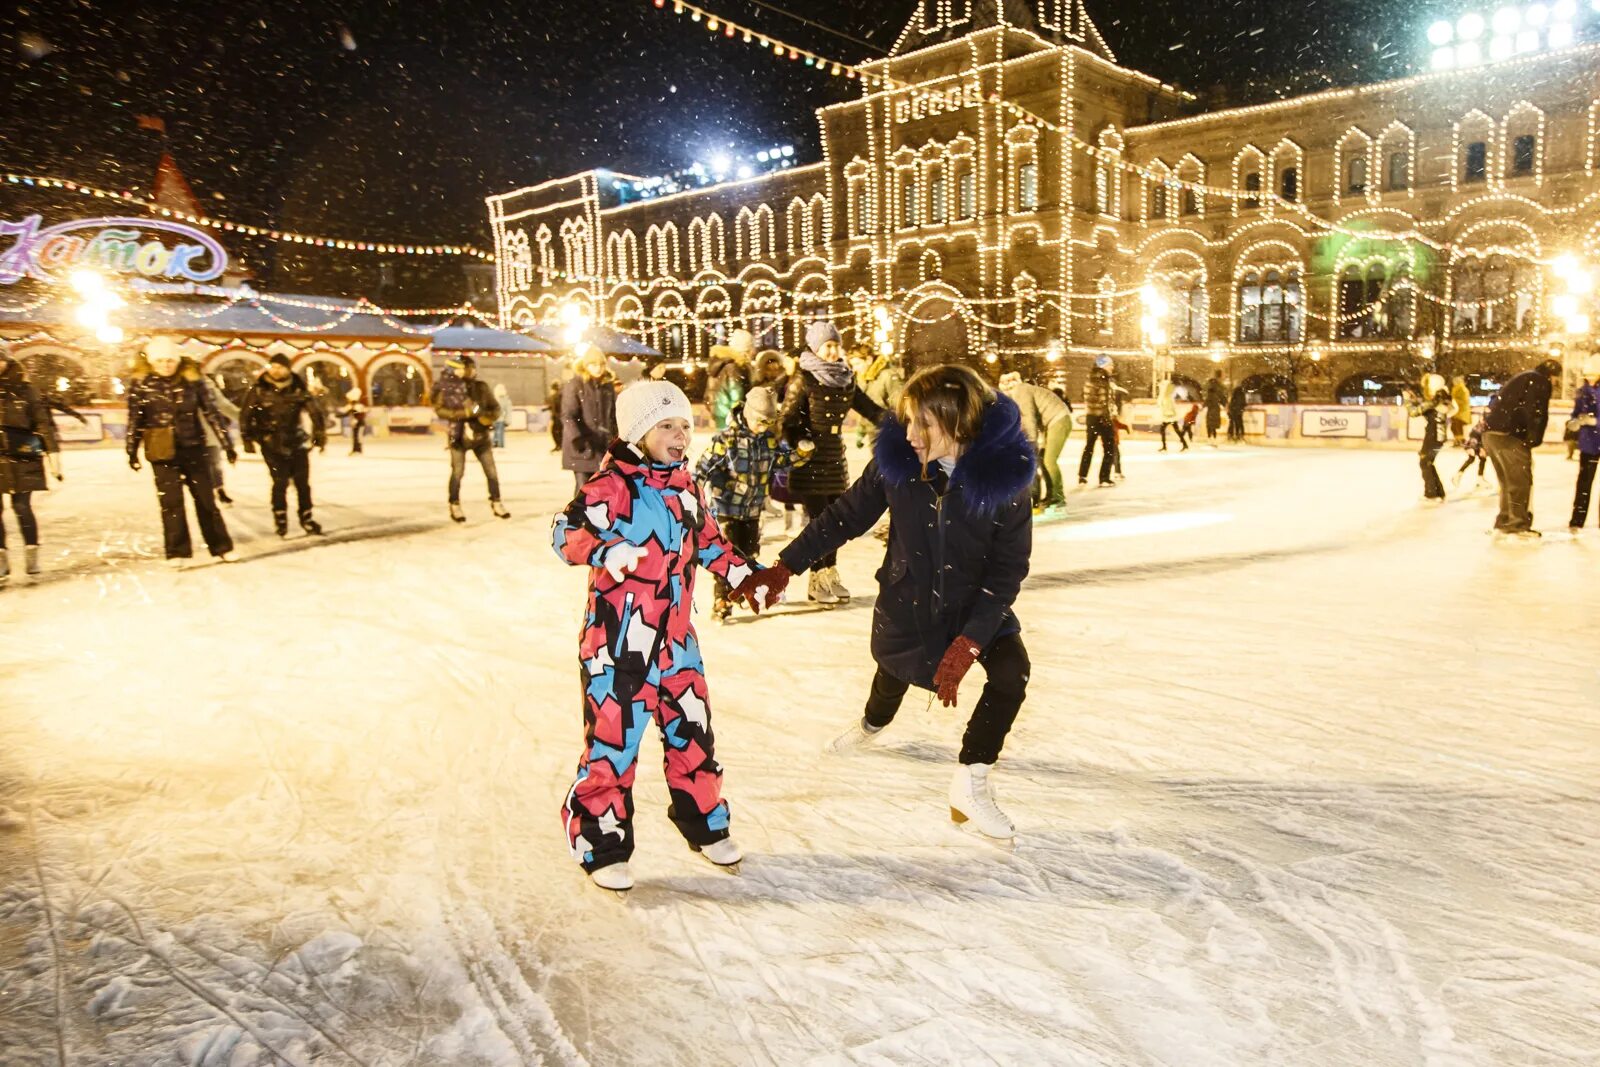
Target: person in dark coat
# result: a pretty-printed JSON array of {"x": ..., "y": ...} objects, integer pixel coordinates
[
  {"x": 1216, "y": 398},
  {"x": 552, "y": 404},
  {"x": 1585, "y": 419},
  {"x": 956, "y": 478},
  {"x": 1099, "y": 423},
  {"x": 1514, "y": 427},
  {"x": 1236, "y": 405},
  {"x": 467, "y": 404},
  {"x": 274, "y": 417},
  {"x": 169, "y": 409},
  {"x": 821, "y": 394},
  {"x": 588, "y": 415},
  {"x": 1434, "y": 406},
  {"x": 27, "y": 446},
  {"x": 356, "y": 412}
]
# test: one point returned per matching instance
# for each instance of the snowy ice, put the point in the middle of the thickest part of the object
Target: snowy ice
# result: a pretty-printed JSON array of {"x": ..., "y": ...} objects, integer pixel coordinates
[{"x": 1306, "y": 776}]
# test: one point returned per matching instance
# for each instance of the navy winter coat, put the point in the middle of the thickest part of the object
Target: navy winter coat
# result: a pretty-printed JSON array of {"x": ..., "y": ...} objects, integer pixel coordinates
[
  {"x": 1521, "y": 408},
  {"x": 588, "y": 422},
  {"x": 955, "y": 562}
]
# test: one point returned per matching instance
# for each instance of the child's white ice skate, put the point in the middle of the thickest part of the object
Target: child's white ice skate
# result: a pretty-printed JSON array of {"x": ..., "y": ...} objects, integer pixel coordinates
[
  {"x": 725, "y": 854},
  {"x": 853, "y": 740},
  {"x": 615, "y": 877}
]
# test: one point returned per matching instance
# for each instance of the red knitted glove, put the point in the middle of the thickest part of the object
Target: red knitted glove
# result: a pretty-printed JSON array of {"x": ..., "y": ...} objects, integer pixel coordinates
[
  {"x": 958, "y": 660},
  {"x": 763, "y": 588}
]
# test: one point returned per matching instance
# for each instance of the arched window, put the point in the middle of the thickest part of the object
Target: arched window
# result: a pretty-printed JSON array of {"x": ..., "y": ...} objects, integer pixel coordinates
[
  {"x": 1289, "y": 184},
  {"x": 1373, "y": 302},
  {"x": 1270, "y": 306},
  {"x": 398, "y": 385},
  {"x": 1497, "y": 296},
  {"x": 519, "y": 255},
  {"x": 1192, "y": 172},
  {"x": 1522, "y": 141},
  {"x": 1356, "y": 175},
  {"x": 1396, "y": 151},
  {"x": 1474, "y": 138},
  {"x": 1024, "y": 150},
  {"x": 938, "y": 204},
  {"x": 1108, "y": 173},
  {"x": 1105, "y": 290}
]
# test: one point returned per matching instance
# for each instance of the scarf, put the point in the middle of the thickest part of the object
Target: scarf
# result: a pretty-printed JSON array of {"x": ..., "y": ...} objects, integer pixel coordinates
[{"x": 833, "y": 375}]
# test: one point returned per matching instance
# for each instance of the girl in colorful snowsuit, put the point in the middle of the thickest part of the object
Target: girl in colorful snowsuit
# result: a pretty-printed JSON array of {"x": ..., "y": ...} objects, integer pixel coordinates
[
  {"x": 642, "y": 525},
  {"x": 955, "y": 473},
  {"x": 738, "y": 468}
]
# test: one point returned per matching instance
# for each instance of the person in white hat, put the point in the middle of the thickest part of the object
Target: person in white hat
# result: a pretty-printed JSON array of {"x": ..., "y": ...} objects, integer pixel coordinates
[
  {"x": 1435, "y": 406},
  {"x": 642, "y": 526}
]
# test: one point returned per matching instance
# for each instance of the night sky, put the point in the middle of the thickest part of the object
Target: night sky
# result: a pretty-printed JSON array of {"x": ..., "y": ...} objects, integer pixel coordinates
[{"x": 394, "y": 120}]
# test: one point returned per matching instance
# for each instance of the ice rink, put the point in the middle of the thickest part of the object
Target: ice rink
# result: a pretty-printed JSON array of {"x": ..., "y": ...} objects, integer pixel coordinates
[{"x": 1307, "y": 776}]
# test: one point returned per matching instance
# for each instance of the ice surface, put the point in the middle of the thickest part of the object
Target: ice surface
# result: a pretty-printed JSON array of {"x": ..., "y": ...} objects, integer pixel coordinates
[{"x": 1307, "y": 776}]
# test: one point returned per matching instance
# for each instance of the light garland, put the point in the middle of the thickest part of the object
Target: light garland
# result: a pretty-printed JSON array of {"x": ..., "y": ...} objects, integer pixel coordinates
[{"x": 288, "y": 236}]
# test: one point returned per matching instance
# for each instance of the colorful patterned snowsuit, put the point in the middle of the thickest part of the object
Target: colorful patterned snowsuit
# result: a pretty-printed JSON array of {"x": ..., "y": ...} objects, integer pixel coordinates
[{"x": 640, "y": 659}]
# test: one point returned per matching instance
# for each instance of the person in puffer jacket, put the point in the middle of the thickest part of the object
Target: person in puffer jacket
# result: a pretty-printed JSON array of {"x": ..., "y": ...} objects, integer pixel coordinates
[
  {"x": 642, "y": 526},
  {"x": 275, "y": 417},
  {"x": 738, "y": 468}
]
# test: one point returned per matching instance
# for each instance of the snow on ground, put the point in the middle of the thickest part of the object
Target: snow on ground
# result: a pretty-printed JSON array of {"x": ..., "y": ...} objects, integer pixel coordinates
[{"x": 1307, "y": 776}]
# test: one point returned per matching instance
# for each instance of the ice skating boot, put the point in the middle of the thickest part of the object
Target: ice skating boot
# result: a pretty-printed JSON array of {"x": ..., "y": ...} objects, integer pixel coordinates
[
  {"x": 721, "y": 608},
  {"x": 615, "y": 877},
  {"x": 1482, "y": 485},
  {"x": 788, "y": 520},
  {"x": 1455, "y": 479},
  {"x": 499, "y": 510},
  {"x": 723, "y": 853},
  {"x": 224, "y": 499},
  {"x": 30, "y": 556},
  {"x": 818, "y": 589},
  {"x": 228, "y": 557},
  {"x": 456, "y": 514},
  {"x": 853, "y": 740},
  {"x": 836, "y": 585},
  {"x": 5, "y": 567},
  {"x": 310, "y": 526},
  {"x": 972, "y": 800},
  {"x": 280, "y": 523}
]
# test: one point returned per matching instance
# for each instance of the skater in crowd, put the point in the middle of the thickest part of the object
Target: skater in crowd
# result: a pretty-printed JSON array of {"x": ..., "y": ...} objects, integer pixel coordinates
[
  {"x": 1167, "y": 402},
  {"x": 1586, "y": 420},
  {"x": 1461, "y": 397},
  {"x": 642, "y": 527},
  {"x": 769, "y": 372},
  {"x": 502, "y": 403},
  {"x": 738, "y": 469},
  {"x": 27, "y": 446},
  {"x": 169, "y": 409},
  {"x": 1432, "y": 404},
  {"x": 466, "y": 402},
  {"x": 1099, "y": 399},
  {"x": 1476, "y": 453},
  {"x": 820, "y": 396},
  {"x": 588, "y": 414},
  {"x": 1216, "y": 399},
  {"x": 1046, "y": 423},
  {"x": 552, "y": 404},
  {"x": 1236, "y": 405},
  {"x": 883, "y": 380},
  {"x": 728, "y": 376},
  {"x": 274, "y": 418},
  {"x": 1515, "y": 426},
  {"x": 356, "y": 412},
  {"x": 1119, "y": 398},
  {"x": 955, "y": 473},
  {"x": 214, "y": 450},
  {"x": 1190, "y": 418}
]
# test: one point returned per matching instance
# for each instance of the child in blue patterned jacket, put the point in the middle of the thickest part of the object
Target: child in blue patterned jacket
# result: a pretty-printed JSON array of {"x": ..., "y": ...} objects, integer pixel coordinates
[{"x": 738, "y": 468}]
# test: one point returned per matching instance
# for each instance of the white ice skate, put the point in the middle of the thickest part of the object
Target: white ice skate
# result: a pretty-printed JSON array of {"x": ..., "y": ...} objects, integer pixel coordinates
[
  {"x": 972, "y": 800},
  {"x": 30, "y": 555},
  {"x": 1482, "y": 484},
  {"x": 724, "y": 853},
  {"x": 853, "y": 740},
  {"x": 615, "y": 877},
  {"x": 835, "y": 583},
  {"x": 818, "y": 589},
  {"x": 456, "y": 514},
  {"x": 1455, "y": 479}
]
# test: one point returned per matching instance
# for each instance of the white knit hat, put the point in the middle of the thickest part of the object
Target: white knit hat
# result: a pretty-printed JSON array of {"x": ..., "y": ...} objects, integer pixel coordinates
[
  {"x": 1591, "y": 367},
  {"x": 643, "y": 404},
  {"x": 742, "y": 341}
]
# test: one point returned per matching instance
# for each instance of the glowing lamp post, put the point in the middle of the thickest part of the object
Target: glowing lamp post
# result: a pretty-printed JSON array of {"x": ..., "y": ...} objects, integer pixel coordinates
[
  {"x": 575, "y": 322},
  {"x": 1154, "y": 309},
  {"x": 1571, "y": 306},
  {"x": 98, "y": 300},
  {"x": 882, "y": 330}
]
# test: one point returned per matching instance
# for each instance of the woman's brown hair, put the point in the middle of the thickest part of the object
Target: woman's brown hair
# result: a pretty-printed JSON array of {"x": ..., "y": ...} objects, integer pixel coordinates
[{"x": 954, "y": 397}]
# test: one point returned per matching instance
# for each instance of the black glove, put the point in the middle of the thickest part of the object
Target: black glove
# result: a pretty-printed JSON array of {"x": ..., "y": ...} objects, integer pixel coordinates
[
  {"x": 133, "y": 461},
  {"x": 233, "y": 455}
]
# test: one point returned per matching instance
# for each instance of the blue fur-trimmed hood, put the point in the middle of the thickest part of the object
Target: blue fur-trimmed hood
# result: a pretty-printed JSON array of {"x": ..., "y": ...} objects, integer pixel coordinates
[{"x": 997, "y": 466}]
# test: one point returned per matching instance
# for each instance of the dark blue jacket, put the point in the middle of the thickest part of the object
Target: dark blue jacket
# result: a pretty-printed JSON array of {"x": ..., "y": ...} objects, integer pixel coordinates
[
  {"x": 1521, "y": 408},
  {"x": 955, "y": 562},
  {"x": 1588, "y": 403}
]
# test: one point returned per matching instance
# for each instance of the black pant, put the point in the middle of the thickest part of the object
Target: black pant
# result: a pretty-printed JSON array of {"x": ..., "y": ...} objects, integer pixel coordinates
[
  {"x": 815, "y": 505},
  {"x": 1580, "y": 502},
  {"x": 1432, "y": 487},
  {"x": 356, "y": 430},
  {"x": 1005, "y": 662},
  {"x": 22, "y": 504},
  {"x": 1513, "y": 466},
  {"x": 1236, "y": 426},
  {"x": 745, "y": 535},
  {"x": 286, "y": 467},
  {"x": 1481, "y": 461},
  {"x": 1177, "y": 428},
  {"x": 483, "y": 448},
  {"x": 189, "y": 467},
  {"x": 1099, "y": 428}
]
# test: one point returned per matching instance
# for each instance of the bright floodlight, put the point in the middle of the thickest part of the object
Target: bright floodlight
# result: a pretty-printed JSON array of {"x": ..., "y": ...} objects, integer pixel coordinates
[
  {"x": 1502, "y": 47},
  {"x": 1527, "y": 41},
  {"x": 1564, "y": 10},
  {"x": 113, "y": 335},
  {"x": 1578, "y": 324},
  {"x": 1441, "y": 32},
  {"x": 720, "y": 163},
  {"x": 1560, "y": 35},
  {"x": 1468, "y": 54},
  {"x": 1470, "y": 26},
  {"x": 1507, "y": 20},
  {"x": 87, "y": 281},
  {"x": 1580, "y": 282},
  {"x": 1444, "y": 58},
  {"x": 788, "y": 150},
  {"x": 1535, "y": 14},
  {"x": 1564, "y": 305},
  {"x": 1565, "y": 265}
]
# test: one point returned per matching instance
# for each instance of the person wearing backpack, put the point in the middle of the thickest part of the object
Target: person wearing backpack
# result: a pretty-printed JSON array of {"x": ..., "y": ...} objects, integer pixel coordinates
[
  {"x": 465, "y": 401},
  {"x": 27, "y": 446}
]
